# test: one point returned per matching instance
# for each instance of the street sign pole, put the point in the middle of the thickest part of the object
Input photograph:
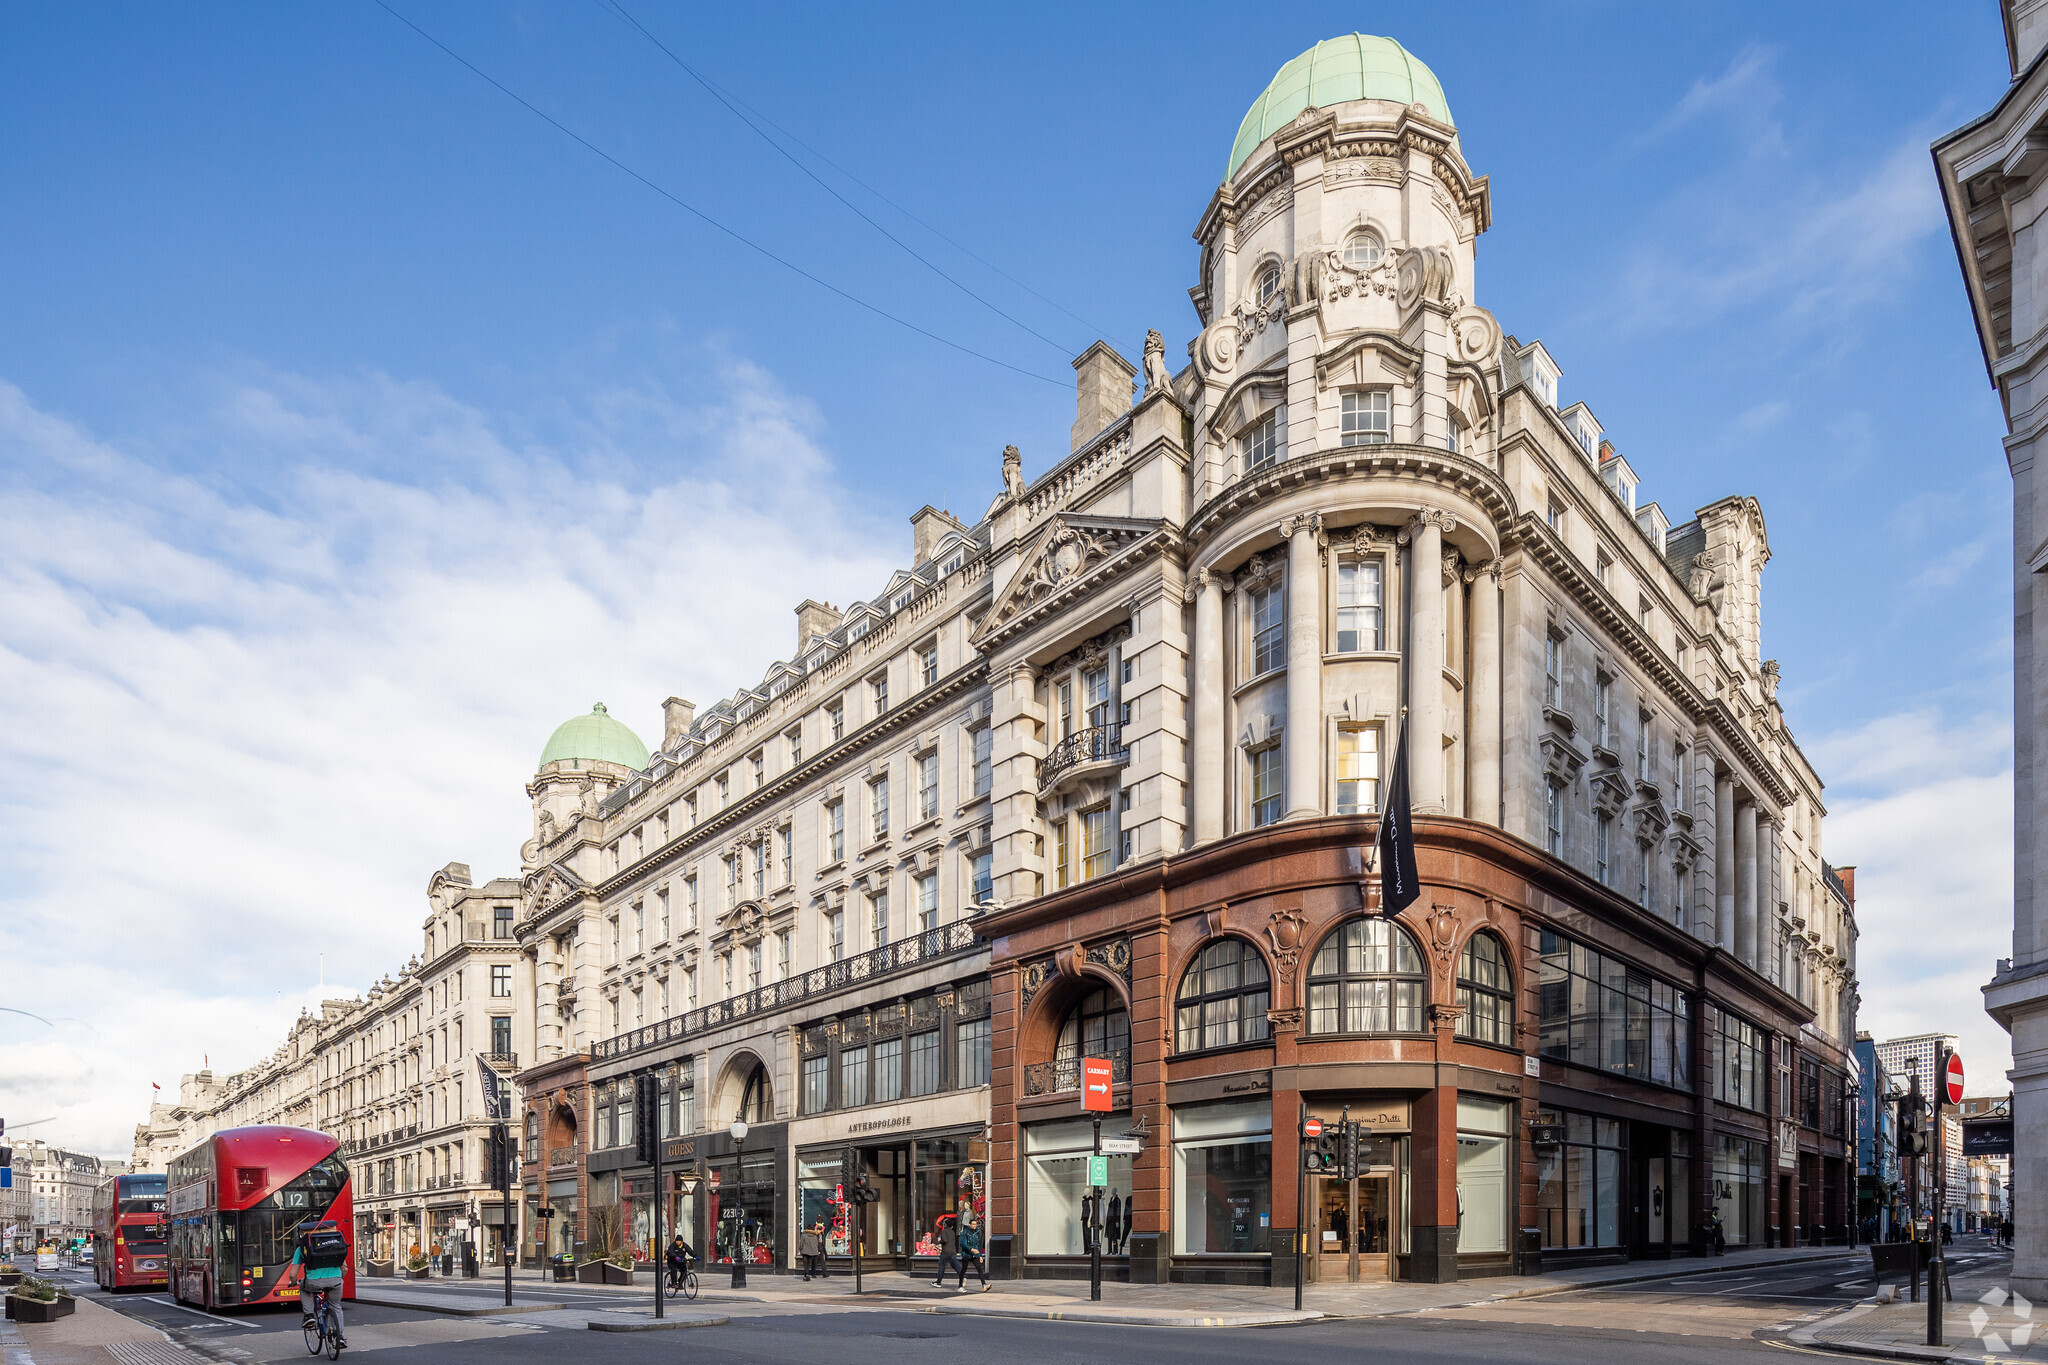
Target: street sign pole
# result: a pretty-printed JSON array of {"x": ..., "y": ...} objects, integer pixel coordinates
[
  {"x": 1351, "y": 1194},
  {"x": 1095, "y": 1218},
  {"x": 660, "y": 1199},
  {"x": 1300, "y": 1198},
  {"x": 506, "y": 1243},
  {"x": 1948, "y": 1090}
]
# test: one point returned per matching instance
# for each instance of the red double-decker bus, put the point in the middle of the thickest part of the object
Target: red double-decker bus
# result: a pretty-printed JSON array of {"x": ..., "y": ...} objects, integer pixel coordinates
[
  {"x": 235, "y": 1204},
  {"x": 129, "y": 1232}
]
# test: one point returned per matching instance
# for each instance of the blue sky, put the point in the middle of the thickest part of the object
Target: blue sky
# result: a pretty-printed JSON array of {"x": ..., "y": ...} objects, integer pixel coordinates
[{"x": 356, "y": 425}]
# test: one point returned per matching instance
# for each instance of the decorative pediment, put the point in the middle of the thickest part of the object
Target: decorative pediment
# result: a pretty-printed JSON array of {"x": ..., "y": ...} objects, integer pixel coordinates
[
  {"x": 1651, "y": 820},
  {"x": 744, "y": 920},
  {"x": 1562, "y": 759},
  {"x": 1064, "y": 553},
  {"x": 1610, "y": 791}
]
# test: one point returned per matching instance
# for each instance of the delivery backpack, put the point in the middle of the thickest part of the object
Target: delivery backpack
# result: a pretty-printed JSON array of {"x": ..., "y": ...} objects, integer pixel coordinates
[{"x": 326, "y": 1248}]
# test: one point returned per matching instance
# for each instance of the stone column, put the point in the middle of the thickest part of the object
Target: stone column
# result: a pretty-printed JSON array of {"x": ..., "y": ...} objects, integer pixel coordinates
[
  {"x": 1724, "y": 862},
  {"x": 1482, "y": 698},
  {"x": 1745, "y": 882},
  {"x": 1209, "y": 738},
  {"x": 1425, "y": 655},
  {"x": 1304, "y": 665}
]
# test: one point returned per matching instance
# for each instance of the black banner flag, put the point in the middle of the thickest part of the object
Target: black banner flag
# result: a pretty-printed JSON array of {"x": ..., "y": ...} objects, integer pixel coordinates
[{"x": 1398, "y": 884}]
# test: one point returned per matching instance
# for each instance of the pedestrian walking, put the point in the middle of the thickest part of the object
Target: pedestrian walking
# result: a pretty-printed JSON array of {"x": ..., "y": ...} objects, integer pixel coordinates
[
  {"x": 949, "y": 1249},
  {"x": 1716, "y": 1233},
  {"x": 810, "y": 1245},
  {"x": 970, "y": 1250}
]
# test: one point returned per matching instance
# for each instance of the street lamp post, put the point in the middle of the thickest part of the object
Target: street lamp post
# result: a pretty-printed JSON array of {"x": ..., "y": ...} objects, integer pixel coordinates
[{"x": 739, "y": 1147}]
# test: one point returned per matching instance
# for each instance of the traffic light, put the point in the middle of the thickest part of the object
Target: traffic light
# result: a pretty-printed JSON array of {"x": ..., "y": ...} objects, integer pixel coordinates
[
  {"x": 646, "y": 1103},
  {"x": 849, "y": 1172},
  {"x": 1323, "y": 1153},
  {"x": 1348, "y": 1142},
  {"x": 863, "y": 1192},
  {"x": 501, "y": 1157}
]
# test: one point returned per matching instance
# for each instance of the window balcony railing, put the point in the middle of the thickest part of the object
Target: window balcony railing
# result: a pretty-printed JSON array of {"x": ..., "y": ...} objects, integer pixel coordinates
[
  {"x": 1064, "y": 1073},
  {"x": 1096, "y": 744},
  {"x": 848, "y": 973},
  {"x": 503, "y": 1061}
]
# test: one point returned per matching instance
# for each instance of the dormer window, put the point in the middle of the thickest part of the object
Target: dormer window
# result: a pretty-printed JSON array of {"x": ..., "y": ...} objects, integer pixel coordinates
[
  {"x": 1268, "y": 287},
  {"x": 1367, "y": 418},
  {"x": 1363, "y": 249}
]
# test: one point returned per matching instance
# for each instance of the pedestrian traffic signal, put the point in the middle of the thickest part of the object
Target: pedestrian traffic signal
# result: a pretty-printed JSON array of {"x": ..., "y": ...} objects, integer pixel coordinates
[{"x": 501, "y": 1157}]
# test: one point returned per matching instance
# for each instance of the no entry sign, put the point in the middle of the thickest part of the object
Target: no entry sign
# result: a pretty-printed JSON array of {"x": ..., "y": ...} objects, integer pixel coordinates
[
  {"x": 1095, "y": 1084},
  {"x": 1955, "y": 1078},
  {"x": 1311, "y": 1128}
]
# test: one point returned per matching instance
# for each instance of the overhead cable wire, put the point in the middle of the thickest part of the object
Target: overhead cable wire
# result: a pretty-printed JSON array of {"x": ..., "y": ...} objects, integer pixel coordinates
[
  {"x": 746, "y": 113},
  {"x": 913, "y": 252},
  {"x": 704, "y": 217}
]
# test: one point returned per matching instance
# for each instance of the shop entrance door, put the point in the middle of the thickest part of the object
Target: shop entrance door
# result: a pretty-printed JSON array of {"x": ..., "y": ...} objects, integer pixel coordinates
[{"x": 1337, "y": 1234}]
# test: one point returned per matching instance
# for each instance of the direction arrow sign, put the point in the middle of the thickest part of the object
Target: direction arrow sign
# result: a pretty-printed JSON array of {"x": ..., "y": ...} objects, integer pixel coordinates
[
  {"x": 1095, "y": 1085},
  {"x": 1955, "y": 1078}
]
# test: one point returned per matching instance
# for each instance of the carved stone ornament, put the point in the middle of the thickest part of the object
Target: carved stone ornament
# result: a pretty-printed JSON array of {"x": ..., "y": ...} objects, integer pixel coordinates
[
  {"x": 1326, "y": 275},
  {"x": 1651, "y": 820},
  {"x": 1157, "y": 380},
  {"x": 1610, "y": 791},
  {"x": 1218, "y": 347},
  {"x": 1284, "y": 1021},
  {"x": 1036, "y": 977},
  {"x": 1424, "y": 276},
  {"x": 1311, "y": 522},
  {"x": 1258, "y": 569},
  {"x": 1444, "y": 1018},
  {"x": 1443, "y": 935},
  {"x": 1013, "y": 472},
  {"x": 1475, "y": 336},
  {"x": 1444, "y": 521},
  {"x": 1286, "y": 932},
  {"x": 1069, "y": 547},
  {"x": 1115, "y": 955},
  {"x": 1561, "y": 758},
  {"x": 1769, "y": 674}
]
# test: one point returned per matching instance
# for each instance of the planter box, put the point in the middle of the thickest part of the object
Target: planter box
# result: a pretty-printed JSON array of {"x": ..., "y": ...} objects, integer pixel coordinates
[
  {"x": 9, "y": 1275},
  {"x": 417, "y": 1274},
  {"x": 20, "y": 1309},
  {"x": 378, "y": 1270},
  {"x": 602, "y": 1272}
]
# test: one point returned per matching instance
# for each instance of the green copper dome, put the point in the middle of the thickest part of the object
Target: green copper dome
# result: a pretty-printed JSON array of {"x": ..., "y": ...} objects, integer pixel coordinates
[
  {"x": 1357, "y": 66},
  {"x": 595, "y": 738}
]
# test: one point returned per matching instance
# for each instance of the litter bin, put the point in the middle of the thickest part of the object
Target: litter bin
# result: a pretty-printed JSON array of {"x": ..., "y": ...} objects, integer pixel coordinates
[{"x": 1529, "y": 1251}]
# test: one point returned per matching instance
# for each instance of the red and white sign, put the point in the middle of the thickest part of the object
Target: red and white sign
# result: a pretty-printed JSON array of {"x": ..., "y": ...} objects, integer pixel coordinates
[
  {"x": 1311, "y": 1129},
  {"x": 1955, "y": 1078},
  {"x": 1095, "y": 1084}
]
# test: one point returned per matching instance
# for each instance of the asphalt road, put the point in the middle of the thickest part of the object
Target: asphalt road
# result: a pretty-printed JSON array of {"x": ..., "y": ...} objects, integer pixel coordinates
[{"x": 1739, "y": 1315}]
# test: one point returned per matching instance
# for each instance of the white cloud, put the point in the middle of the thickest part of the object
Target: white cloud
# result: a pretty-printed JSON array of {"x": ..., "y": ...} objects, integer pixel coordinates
[
  {"x": 255, "y": 698},
  {"x": 1927, "y": 824},
  {"x": 1742, "y": 95}
]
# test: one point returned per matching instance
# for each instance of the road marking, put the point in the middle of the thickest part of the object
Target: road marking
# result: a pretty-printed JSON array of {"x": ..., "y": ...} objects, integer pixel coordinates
[{"x": 249, "y": 1326}]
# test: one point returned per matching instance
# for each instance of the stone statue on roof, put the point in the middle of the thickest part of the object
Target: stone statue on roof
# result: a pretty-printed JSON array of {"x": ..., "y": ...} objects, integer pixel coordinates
[{"x": 1013, "y": 472}]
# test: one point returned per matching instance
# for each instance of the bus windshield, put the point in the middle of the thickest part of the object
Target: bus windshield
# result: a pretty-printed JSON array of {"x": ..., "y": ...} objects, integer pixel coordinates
[{"x": 141, "y": 1193}]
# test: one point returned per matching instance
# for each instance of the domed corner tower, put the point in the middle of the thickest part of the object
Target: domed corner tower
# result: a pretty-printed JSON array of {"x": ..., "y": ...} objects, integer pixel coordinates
[
  {"x": 586, "y": 759},
  {"x": 1337, "y": 259}
]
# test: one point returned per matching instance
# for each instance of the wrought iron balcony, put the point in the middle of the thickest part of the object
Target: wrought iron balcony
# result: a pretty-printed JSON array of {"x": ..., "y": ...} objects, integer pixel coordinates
[
  {"x": 1064, "y": 1073},
  {"x": 1098, "y": 744},
  {"x": 904, "y": 954}
]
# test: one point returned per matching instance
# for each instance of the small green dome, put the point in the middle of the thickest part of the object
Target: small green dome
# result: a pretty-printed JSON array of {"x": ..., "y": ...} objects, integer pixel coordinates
[
  {"x": 1357, "y": 66},
  {"x": 595, "y": 738}
]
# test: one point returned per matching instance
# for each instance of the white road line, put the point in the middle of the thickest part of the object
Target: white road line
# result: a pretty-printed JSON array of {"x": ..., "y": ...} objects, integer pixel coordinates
[{"x": 168, "y": 1303}]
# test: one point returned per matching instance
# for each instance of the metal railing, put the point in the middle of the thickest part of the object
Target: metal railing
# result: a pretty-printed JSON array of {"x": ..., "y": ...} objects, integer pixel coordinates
[
  {"x": 1064, "y": 1073},
  {"x": 833, "y": 977},
  {"x": 1096, "y": 744},
  {"x": 505, "y": 1061}
]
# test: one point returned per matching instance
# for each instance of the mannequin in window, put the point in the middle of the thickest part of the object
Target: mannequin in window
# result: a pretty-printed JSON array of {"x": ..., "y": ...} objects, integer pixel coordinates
[
  {"x": 1123, "y": 1239},
  {"x": 1113, "y": 1223}
]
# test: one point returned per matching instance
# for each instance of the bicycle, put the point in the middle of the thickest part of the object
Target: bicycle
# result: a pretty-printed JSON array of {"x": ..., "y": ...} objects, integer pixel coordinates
[
  {"x": 319, "y": 1329},
  {"x": 683, "y": 1280}
]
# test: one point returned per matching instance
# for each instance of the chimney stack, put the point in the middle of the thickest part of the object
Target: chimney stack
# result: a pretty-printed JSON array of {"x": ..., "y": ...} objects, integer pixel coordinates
[
  {"x": 928, "y": 526},
  {"x": 814, "y": 618},
  {"x": 1102, "y": 389},
  {"x": 676, "y": 715}
]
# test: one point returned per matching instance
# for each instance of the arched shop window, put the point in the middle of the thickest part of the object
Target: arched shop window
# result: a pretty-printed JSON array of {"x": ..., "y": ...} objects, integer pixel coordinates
[
  {"x": 1098, "y": 1025},
  {"x": 1223, "y": 998},
  {"x": 757, "y": 1104},
  {"x": 1366, "y": 978},
  {"x": 1485, "y": 991}
]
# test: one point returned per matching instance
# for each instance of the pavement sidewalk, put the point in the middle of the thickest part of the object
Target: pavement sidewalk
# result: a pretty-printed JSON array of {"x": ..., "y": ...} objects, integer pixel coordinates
[
  {"x": 1167, "y": 1305},
  {"x": 1981, "y": 1322},
  {"x": 89, "y": 1336}
]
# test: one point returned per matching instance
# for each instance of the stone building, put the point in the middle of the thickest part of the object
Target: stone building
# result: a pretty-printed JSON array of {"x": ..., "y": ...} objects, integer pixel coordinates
[
  {"x": 1625, "y": 1000},
  {"x": 1988, "y": 172},
  {"x": 59, "y": 1184},
  {"x": 771, "y": 915},
  {"x": 397, "y": 1075}
]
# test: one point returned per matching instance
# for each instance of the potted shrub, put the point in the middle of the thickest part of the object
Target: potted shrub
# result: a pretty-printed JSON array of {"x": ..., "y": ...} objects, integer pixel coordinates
[
  {"x": 38, "y": 1300},
  {"x": 416, "y": 1266}
]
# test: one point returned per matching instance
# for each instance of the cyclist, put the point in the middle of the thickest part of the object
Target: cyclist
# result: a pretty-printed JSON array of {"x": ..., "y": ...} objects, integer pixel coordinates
[
  {"x": 680, "y": 1254},
  {"x": 317, "y": 1264}
]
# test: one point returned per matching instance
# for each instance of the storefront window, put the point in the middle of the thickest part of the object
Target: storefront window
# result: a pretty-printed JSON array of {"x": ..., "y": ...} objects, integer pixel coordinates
[
  {"x": 1739, "y": 1189},
  {"x": 1223, "y": 1178},
  {"x": 742, "y": 1210},
  {"x": 947, "y": 1182},
  {"x": 1578, "y": 1182},
  {"x": 1055, "y": 1179},
  {"x": 1738, "y": 1059},
  {"x": 818, "y": 1201},
  {"x": 1485, "y": 1150},
  {"x": 1366, "y": 978}
]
